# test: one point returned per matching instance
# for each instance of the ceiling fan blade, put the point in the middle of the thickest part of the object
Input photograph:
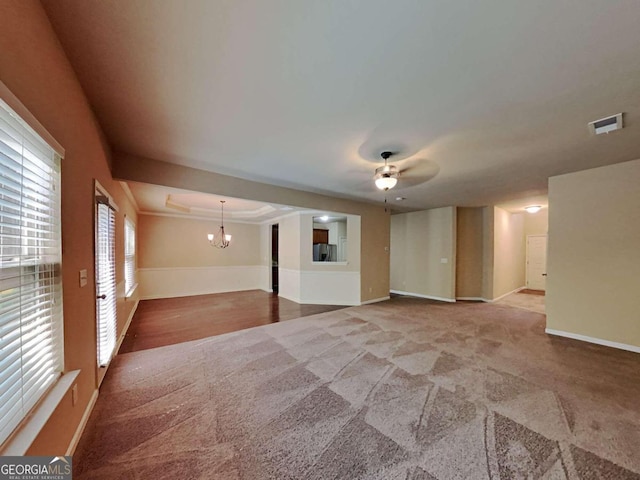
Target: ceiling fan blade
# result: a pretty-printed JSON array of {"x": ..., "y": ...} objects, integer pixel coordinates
[{"x": 417, "y": 171}]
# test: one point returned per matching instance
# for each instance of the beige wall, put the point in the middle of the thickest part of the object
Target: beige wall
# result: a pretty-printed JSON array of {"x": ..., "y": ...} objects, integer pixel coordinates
[
  {"x": 419, "y": 241},
  {"x": 34, "y": 67},
  {"x": 167, "y": 242},
  {"x": 469, "y": 253},
  {"x": 374, "y": 220},
  {"x": 536, "y": 223},
  {"x": 289, "y": 242},
  {"x": 594, "y": 253},
  {"x": 509, "y": 252}
]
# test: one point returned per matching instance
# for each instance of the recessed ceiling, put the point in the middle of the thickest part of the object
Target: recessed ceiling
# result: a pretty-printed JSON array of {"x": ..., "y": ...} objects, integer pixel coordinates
[
  {"x": 160, "y": 200},
  {"x": 494, "y": 97}
]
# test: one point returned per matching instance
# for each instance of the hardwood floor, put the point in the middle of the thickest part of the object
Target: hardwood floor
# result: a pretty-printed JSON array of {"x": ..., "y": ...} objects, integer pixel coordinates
[{"x": 169, "y": 321}]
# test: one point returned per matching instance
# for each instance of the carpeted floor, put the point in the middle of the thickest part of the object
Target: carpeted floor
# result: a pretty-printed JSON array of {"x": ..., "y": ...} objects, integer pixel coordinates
[
  {"x": 533, "y": 300},
  {"x": 404, "y": 389}
]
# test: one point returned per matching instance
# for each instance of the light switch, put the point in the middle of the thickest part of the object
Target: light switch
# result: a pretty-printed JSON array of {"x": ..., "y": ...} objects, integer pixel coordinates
[
  {"x": 83, "y": 277},
  {"x": 444, "y": 260}
]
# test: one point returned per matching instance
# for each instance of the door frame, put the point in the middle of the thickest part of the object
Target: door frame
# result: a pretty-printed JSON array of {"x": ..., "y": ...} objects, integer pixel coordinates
[
  {"x": 526, "y": 259},
  {"x": 100, "y": 195}
]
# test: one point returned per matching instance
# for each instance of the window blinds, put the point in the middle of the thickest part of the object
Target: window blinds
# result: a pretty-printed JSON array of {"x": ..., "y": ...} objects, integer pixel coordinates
[
  {"x": 129, "y": 256},
  {"x": 31, "y": 357},
  {"x": 106, "y": 282}
]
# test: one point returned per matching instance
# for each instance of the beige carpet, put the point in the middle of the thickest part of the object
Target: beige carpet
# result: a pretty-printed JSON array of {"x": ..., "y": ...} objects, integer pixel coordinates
[
  {"x": 528, "y": 301},
  {"x": 405, "y": 389}
]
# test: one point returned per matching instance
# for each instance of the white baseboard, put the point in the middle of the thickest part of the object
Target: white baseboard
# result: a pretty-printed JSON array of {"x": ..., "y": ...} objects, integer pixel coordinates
[
  {"x": 126, "y": 326},
  {"x": 83, "y": 423},
  {"x": 473, "y": 299},
  {"x": 597, "y": 341},
  {"x": 419, "y": 295},
  {"x": 375, "y": 300},
  {"x": 289, "y": 297},
  {"x": 507, "y": 294}
]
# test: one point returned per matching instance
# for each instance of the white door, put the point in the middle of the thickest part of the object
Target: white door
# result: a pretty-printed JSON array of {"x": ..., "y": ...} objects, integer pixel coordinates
[
  {"x": 105, "y": 280},
  {"x": 536, "y": 262}
]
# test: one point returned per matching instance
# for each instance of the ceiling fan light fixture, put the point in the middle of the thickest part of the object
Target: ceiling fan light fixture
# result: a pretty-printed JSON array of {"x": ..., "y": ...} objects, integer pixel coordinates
[{"x": 386, "y": 177}]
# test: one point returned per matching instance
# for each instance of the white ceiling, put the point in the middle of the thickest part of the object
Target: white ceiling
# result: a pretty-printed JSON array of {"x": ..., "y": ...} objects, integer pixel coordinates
[
  {"x": 161, "y": 200},
  {"x": 491, "y": 97}
]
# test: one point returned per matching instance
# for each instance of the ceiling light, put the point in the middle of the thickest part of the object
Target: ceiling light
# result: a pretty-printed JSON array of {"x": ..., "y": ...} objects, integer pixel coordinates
[
  {"x": 533, "y": 208},
  {"x": 400, "y": 199},
  {"x": 324, "y": 218},
  {"x": 220, "y": 239},
  {"x": 386, "y": 176}
]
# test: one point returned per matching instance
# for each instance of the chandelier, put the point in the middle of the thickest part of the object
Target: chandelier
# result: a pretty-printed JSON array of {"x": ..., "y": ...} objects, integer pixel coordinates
[{"x": 220, "y": 239}]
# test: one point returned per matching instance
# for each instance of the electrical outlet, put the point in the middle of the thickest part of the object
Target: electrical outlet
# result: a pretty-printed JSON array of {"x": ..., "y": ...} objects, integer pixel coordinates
[{"x": 74, "y": 395}]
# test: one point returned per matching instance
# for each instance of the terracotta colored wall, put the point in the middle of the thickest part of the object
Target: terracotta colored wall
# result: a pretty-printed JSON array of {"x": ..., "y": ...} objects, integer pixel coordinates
[{"x": 34, "y": 67}]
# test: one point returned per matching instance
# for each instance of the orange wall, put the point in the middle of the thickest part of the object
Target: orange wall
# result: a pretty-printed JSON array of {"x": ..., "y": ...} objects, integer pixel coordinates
[{"x": 34, "y": 67}]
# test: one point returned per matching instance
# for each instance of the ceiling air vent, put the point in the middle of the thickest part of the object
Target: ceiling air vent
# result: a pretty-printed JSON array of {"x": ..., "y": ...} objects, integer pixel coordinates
[{"x": 606, "y": 125}]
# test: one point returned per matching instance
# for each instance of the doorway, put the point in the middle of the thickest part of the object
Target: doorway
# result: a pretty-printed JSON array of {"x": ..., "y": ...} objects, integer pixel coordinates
[
  {"x": 105, "y": 277},
  {"x": 274, "y": 258},
  {"x": 536, "y": 262}
]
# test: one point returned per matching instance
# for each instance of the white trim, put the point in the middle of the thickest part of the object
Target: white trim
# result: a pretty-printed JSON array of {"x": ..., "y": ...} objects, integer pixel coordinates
[
  {"x": 507, "y": 294},
  {"x": 126, "y": 327},
  {"x": 83, "y": 424},
  {"x": 33, "y": 424},
  {"x": 277, "y": 219},
  {"x": 375, "y": 300},
  {"x": 212, "y": 267},
  {"x": 27, "y": 117},
  {"x": 193, "y": 217},
  {"x": 329, "y": 263},
  {"x": 473, "y": 299},
  {"x": 100, "y": 190},
  {"x": 131, "y": 290},
  {"x": 329, "y": 272},
  {"x": 419, "y": 295},
  {"x": 597, "y": 341},
  {"x": 129, "y": 194},
  {"x": 175, "y": 282}
]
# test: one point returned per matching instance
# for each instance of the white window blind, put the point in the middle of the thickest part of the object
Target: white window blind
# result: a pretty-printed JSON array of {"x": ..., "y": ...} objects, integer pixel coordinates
[
  {"x": 31, "y": 356},
  {"x": 106, "y": 281},
  {"x": 129, "y": 256}
]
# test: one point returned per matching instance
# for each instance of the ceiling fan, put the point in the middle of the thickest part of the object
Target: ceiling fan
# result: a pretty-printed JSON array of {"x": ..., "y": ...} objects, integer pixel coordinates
[{"x": 409, "y": 173}]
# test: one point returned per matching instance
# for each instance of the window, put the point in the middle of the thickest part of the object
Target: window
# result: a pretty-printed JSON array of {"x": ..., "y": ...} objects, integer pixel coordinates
[
  {"x": 129, "y": 256},
  {"x": 31, "y": 357},
  {"x": 106, "y": 317}
]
